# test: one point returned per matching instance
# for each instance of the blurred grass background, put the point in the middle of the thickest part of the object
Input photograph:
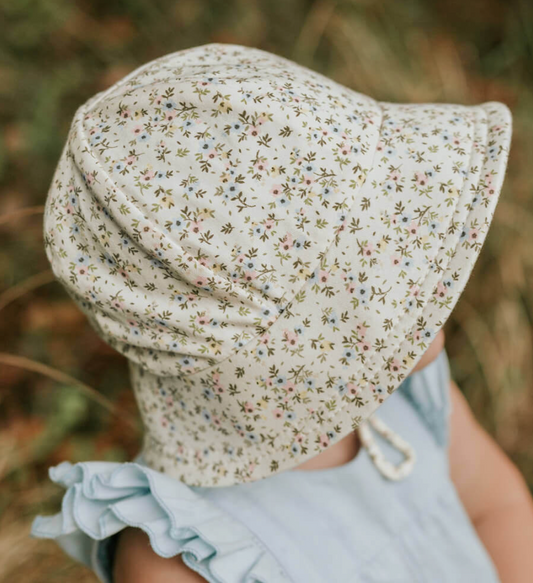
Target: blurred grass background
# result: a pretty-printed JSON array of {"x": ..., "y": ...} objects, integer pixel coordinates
[{"x": 54, "y": 54}]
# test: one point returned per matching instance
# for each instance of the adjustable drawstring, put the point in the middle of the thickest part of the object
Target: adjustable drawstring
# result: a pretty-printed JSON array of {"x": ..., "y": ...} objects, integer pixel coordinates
[{"x": 386, "y": 468}]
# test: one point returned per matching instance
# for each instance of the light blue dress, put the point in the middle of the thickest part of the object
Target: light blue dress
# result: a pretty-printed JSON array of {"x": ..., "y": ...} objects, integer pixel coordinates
[{"x": 336, "y": 525}]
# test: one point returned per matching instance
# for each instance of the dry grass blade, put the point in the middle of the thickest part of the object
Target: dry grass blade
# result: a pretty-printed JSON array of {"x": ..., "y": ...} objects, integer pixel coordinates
[
  {"x": 61, "y": 377},
  {"x": 17, "y": 291}
]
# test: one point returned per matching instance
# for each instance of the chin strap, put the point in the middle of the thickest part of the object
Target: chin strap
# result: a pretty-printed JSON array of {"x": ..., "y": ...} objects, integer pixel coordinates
[{"x": 386, "y": 468}]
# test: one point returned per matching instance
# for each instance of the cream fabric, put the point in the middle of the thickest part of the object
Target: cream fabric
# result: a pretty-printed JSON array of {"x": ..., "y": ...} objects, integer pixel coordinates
[{"x": 272, "y": 251}]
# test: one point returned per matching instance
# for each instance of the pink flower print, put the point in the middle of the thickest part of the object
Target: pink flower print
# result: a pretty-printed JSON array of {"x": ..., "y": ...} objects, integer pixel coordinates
[
  {"x": 289, "y": 387},
  {"x": 240, "y": 258},
  {"x": 269, "y": 224},
  {"x": 291, "y": 338},
  {"x": 264, "y": 339},
  {"x": 324, "y": 440},
  {"x": 124, "y": 273},
  {"x": 380, "y": 146},
  {"x": 125, "y": 114},
  {"x": 212, "y": 153},
  {"x": 417, "y": 335},
  {"x": 395, "y": 365},
  {"x": 253, "y": 131},
  {"x": 350, "y": 287},
  {"x": 344, "y": 149},
  {"x": 159, "y": 100},
  {"x": 130, "y": 160},
  {"x": 394, "y": 176},
  {"x": 82, "y": 270},
  {"x": 137, "y": 130},
  {"x": 261, "y": 120},
  {"x": 361, "y": 330},
  {"x": 368, "y": 249},
  {"x": 353, "y": 389},
  {"x": 269, "y": 382},
  {"x": 414, "y": 290},
  {"x": 250, "y": 275},
  {"x": 413, "y": 228},
  {"x": 421, "y": 178},
  {"x": 202, "y": 320},
  {"x": 248, "y": 407},
  {"x": 170, "y": 115},
  {"x": 276, "y": 190},
  {"x": 197, "y": 227},
  {"x": 69, "y": 209},
  {"x": 489, "y": 190},
  {"x": 278, "y": 413},
  {"x": 203, "y": 261},
  {"x": 395, "y": 260},
  {"x": 192, "y": 297},
  {"x": 117, "y": 305},
  {"x": 219, "y": 389},
  {"x": 287, "y": 242},
  {"x": 148, "y": 175},
  {"x": 89, "y": 178},
  {"x": 323, "y": 276},
  {"x": 364, "y": 346},
  {"x": 473, "y": 235},
  {"x": 261, "y": 166},
  {"x": 441, "y": 290},
  {"x": 308, "y": 180},
  {"x": 200, "y": 282},
  {"x": 456, "y": 142},
  {"x": 299, "y": 438}
]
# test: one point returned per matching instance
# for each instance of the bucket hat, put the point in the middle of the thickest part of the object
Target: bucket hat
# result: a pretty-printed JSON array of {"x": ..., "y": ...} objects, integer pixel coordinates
[{"x": 271, "y": 250}]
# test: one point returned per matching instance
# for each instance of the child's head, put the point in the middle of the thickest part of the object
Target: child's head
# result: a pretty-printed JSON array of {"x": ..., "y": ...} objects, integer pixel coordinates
[{"x": 272, "y": 251}]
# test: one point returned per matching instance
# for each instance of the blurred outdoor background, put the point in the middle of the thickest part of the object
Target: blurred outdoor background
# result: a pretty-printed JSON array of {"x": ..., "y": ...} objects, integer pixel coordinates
[{"x": 63, "y": 393}]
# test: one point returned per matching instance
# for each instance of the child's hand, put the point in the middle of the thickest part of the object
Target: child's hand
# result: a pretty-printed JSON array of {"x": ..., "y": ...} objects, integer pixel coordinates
[{"x": 493, "y": 492}]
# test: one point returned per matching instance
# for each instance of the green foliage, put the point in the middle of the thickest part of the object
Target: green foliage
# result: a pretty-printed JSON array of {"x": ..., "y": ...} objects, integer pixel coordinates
[{"x": 55, "y": 54}]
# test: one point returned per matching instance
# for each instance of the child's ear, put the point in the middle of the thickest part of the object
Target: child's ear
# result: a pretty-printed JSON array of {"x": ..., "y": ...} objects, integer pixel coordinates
[{"x": 432, "y": 351}]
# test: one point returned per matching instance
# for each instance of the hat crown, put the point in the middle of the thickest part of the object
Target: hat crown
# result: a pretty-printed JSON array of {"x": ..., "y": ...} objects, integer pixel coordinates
[{"x": 227, "y": 176}]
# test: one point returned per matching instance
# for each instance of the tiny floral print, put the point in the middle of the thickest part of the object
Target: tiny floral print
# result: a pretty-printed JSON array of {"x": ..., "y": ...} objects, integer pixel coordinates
[{"x": 271, "y": 250}]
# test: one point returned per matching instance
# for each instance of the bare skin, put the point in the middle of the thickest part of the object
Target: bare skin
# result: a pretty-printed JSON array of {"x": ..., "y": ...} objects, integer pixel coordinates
[{"x": 489, "y": 485}]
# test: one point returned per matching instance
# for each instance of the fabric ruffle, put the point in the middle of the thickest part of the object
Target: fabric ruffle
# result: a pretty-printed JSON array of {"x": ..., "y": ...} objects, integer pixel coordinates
[{"x": 102, "y": 498}]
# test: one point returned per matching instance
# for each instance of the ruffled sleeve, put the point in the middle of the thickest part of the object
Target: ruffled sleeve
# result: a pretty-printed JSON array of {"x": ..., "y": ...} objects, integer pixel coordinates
[{"x": 102, "y": 498}]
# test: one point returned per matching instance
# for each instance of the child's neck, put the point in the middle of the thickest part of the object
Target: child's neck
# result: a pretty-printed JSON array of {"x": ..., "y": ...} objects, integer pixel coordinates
[{"x": 338, "y": 454}]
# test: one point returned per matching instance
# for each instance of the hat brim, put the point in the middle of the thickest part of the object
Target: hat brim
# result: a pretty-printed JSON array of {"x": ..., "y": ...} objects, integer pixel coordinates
[{"x": 378, "y": 342}]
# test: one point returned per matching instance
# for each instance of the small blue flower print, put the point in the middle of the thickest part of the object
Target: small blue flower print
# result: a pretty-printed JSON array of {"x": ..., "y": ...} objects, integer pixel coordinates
[
  {"x": 208, "y": 393},
  {"x": 309, "y": 383},
  {"x": 299, "y": 243},
  {"x": 118, "y": 167},
  {"x": 280, "y": 381},
  {"x": 144, "y": 137},
  {"x": 206, "y": 415},
  {"x": 341, "y": 387},
  {"x": 362, "y": 293},
  {"x": 290, "y": 415},
  {"x": 349, "y": 353},
  {"x": 464, "y": 234},
  {"x": 82, "y": 260},
  {"x": 333, "y": 320},
  {"x": 295, "y": 448}
]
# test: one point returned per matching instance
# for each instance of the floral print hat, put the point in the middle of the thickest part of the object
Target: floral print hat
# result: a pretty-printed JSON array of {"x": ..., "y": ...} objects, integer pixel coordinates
[{"x": 272, "y": 251}]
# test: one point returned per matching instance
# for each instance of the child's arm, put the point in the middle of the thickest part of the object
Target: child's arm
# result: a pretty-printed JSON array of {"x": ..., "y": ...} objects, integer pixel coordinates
[{"x": 493, "y": 492}]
